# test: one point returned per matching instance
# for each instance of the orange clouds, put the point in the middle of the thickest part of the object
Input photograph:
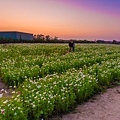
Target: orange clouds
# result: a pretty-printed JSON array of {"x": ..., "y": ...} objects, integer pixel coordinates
[{"x": 50, "y": 17}]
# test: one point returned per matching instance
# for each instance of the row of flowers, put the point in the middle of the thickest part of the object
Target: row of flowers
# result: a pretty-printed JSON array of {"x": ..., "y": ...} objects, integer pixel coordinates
[
  {"x": 22, "y": 62},
  {"x": 42, "y": 97}
]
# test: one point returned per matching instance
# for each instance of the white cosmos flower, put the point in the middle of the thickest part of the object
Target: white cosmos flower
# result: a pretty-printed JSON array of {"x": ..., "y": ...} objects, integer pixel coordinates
[
  {"x": 5, "y": 101},
  {"x": 33, "y": 105},
  {"x": 38, "y": 86},
  {"x": 19, "y": 108},
  {"x": 2, "y": 90},
  {"x": 6, "y": 91},
  {"x": 13, "y": 91},
  {"x": 15, "y": 113}
]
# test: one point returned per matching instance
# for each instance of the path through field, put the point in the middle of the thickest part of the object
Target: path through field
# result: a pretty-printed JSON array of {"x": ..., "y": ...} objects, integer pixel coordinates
[
  {"x": 4, "y": 90},
  {"x": 105, "y": 106}
]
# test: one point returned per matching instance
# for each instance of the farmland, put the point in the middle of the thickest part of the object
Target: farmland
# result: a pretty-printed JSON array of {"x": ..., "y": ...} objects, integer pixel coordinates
[{"x": 47, "y": 79}]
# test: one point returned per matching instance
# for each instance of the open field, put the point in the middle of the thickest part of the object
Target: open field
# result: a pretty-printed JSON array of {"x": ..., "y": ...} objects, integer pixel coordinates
[{"x": 48, "y": 80}]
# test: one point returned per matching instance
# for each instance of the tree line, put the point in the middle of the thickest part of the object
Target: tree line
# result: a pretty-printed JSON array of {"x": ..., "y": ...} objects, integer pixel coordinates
[{"x": 40, "y": 38}]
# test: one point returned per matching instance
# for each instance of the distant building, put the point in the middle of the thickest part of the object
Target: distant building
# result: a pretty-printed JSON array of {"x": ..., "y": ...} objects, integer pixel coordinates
[{"x": 16, "y": 35}]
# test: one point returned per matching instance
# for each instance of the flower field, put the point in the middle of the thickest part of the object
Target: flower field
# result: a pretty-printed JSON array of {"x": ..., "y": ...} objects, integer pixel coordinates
[{"x": 49, "y": 80}]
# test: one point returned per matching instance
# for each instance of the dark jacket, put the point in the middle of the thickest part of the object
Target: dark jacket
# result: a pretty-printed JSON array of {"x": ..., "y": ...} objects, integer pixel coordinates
[{"x": 71, "y": 44}]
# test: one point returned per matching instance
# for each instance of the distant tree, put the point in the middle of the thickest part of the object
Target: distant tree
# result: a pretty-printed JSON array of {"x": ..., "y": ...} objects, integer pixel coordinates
[
  {"x": 114, "y": 41},
  {"x": 100, "y": 41},
  {"x": 55, "y": 38},
  {"x": 34, "y": 37},
  {"x": 47, "y": 37},
  {"x": 40, "y": 37}
]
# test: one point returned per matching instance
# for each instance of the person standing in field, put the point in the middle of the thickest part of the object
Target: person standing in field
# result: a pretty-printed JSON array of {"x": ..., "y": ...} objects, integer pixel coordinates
[{"x": 71, "y": 46}]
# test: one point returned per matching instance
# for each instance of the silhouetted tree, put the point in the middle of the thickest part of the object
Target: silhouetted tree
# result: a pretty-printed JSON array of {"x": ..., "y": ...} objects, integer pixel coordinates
[
  {"x": 47, "y": 37},
  {"x": 114, "y": 41},
  {"x": 34, "y": 37},
  {"x": 55, "y": 38}
]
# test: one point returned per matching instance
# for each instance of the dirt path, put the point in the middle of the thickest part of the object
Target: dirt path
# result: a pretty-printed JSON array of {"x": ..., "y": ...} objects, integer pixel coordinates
[
  {"x": 4, "y": 90},
  {"x": 105, "y": 106}
]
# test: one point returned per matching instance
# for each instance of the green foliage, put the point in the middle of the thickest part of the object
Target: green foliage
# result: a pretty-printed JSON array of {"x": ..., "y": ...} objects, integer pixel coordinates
[{"x": 50, "y": 80}]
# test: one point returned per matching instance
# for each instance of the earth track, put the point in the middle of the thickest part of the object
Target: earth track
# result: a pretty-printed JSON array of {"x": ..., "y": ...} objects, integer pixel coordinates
[{"x": 105, "y": 106}]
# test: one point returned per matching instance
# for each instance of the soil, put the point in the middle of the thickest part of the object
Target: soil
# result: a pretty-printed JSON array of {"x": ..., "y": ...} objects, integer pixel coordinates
[
  {"x": 105, "y": 106},
  {"x": 5, "y": 91}
]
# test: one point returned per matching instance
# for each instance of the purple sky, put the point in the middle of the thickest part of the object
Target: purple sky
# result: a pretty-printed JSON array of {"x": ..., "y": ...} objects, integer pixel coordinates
[
  {"x": 111, "y": 7},
  {"x": 76, "y": 19}
]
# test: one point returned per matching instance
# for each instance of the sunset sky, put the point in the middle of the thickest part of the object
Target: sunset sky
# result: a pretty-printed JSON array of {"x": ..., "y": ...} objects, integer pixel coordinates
[{"x": 66, "y": 19}]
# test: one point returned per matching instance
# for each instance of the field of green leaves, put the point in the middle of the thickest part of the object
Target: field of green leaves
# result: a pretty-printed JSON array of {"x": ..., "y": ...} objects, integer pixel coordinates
[{"x": 48, "y": 80}]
